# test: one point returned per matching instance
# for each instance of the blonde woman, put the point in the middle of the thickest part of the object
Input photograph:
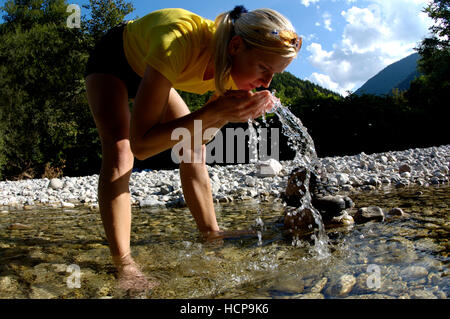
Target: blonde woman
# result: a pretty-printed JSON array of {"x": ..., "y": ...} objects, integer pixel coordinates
[{"x": 146, "y": 60}]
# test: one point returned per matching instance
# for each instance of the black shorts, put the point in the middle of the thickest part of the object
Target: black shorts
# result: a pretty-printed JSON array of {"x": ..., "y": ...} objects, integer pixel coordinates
[{"x": 109, "y": 57}]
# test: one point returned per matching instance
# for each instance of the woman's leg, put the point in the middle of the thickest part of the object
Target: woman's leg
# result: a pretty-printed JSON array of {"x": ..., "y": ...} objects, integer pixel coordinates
[{"x": 108, "y": 100}]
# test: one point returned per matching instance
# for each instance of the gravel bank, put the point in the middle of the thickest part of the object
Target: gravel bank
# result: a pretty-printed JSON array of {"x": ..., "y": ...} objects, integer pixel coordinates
[{"x": 424, "y": 166}]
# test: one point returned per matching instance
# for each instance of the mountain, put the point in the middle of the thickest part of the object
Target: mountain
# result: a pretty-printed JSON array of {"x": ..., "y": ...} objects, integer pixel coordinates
[{"x": 397, "y": 75}]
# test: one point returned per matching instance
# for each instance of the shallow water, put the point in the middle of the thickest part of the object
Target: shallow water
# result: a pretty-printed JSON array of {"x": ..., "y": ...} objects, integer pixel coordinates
[{"x": 398, "y": 258}]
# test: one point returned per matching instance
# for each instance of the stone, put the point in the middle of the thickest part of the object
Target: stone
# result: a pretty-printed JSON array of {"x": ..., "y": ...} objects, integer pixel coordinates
[
  {"x": 19, "y": 226},
  {"x": 343, "y": 286},
  {"x": 299, "y": 220},
  {"x": 343, "y": 219},
  {"x": 318, "y": 287},
  {"x": 296, "y": 188},
  {"x": 329, "y": 206},
  {"x": 396, "y": 212},
  {"x": 67, "y": 205},
  {"x": 268, "y": 168},
  {"x": 250, "y": 181},
  {"x": 56, "y": 183},
  {"x": 366, "y": 214},
  {"x": 404, "y": 168},
  {"x": 422, "y": 294},
  {"x": 414, "y": 272},
  {"x": 342, "y": 178}
]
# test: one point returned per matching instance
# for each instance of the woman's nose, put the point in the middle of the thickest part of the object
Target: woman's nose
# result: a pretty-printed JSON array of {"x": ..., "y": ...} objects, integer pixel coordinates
[{"x": 265, "y": 82}]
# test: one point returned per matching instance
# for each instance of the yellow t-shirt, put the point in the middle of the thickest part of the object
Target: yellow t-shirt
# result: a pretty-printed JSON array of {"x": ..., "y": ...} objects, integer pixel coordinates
[{"x": 175, "y": 42}]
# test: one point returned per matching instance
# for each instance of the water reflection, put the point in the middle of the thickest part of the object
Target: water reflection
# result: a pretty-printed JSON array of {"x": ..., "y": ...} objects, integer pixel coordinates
[{"x": 410, "y": 254}]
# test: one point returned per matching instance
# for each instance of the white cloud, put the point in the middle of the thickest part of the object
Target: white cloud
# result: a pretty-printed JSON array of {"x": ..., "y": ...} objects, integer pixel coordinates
[
  {"x": 324, "y": 81},
  {"x": 306, "y": 3},
  {"x": 327, "y": 21},
  {"x": 374, "y": 36}
]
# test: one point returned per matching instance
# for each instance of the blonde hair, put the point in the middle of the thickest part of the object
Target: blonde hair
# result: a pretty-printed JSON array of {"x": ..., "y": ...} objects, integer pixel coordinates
[{"x": 265, "y": 29}]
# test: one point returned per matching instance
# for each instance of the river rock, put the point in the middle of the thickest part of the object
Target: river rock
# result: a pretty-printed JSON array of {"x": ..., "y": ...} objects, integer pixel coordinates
[
  {"x": 269, "y": 168},
  {"x": 332, "y": 205},
  {"x": 343, "y": 219},
  {"x": 396, "y": 212},
  {"x": 19, "y": 226},
  {"x": 296, "y": 188},
  {"x": 56, "y": 183},
  {"x": 299, "y": 220},
  {"x": 414, "y": 272},
  {"x": 366, "y": 214},
  {"x": 343, "y": 286},
  {"x": 404, "y": 168}
]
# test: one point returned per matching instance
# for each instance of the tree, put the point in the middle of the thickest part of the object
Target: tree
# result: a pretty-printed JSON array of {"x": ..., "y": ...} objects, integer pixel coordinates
[
  {"x": 105, "y": 14},
  {"x": 44, "y": 115},
  {"x": 435, "y": 50}
]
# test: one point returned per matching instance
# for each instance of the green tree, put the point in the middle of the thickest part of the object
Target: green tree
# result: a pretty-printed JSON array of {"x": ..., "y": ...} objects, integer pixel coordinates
[
  {"x": 105, "y": 14},
  {"x": 435, "y": 50},
  {"x": 44, "y": 115}
]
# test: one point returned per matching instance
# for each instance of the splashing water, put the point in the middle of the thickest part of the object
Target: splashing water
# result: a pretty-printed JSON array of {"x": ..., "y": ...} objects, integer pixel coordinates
[{"x": 305, "y": 156}]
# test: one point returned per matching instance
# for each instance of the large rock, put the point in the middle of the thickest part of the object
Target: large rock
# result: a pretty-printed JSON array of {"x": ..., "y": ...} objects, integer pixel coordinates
[
  {"x": 331, "y": 206},
  {"x": 296, "y": 188},
  {"x": 366, "y": 214},
  {"x": 299, "y": 220},
  {"x": 56, "y": 184},
  {"x": 269, "y": 168}
]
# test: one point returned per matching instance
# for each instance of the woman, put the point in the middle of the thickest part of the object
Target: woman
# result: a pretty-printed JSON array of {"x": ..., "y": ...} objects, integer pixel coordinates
[{"x": 146, "y": 60}]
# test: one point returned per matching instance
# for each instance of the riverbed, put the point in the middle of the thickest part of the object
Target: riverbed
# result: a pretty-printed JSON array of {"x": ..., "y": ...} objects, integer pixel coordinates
[{"x": 62, "y": 252}]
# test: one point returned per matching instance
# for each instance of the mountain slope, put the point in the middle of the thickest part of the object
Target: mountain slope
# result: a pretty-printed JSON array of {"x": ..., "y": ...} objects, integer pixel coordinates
[{"x": 397, "y": 75}]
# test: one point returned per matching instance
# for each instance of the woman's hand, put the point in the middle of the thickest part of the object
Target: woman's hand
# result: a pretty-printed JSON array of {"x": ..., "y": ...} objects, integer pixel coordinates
[{"x": 240, "y": 106}]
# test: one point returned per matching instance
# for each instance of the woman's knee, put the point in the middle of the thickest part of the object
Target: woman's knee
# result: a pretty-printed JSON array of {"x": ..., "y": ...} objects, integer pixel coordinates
[{"x": 117, "y": 155}]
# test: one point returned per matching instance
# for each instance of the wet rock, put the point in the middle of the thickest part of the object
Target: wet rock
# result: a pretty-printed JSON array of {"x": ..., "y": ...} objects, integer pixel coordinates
[
  {"x": 414, "y": 272},
  {"x": 295, "y": 189},
  {"x": 366, "y": 214},
  {"x": 67, "y": 205},
  {"x": 318, "y": 287},
  {"x": 38, "y": 292},
  {"x": 19, "y": 226},
  {"x": 396, "y": 212},
  {"x": 422, "y": 294},
  {"x": 343, "y": 219},
  {"x": 8, "y": 284},
  {"x": 343, "y": 286},
  {"x": 299, "y": 220},
  {"x": 331, "y": 206}
]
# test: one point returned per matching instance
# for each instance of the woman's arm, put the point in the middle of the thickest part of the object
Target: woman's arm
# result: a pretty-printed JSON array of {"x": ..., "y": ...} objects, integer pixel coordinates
[{"x": 149, "y": 136}]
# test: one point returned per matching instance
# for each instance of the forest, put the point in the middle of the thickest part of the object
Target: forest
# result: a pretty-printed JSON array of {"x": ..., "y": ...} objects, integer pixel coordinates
[{"x": 46, "y": 129}]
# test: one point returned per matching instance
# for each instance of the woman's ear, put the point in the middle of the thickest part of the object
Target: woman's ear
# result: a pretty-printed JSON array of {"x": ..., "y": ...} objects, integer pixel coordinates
[{"x": 236, "y": 45}]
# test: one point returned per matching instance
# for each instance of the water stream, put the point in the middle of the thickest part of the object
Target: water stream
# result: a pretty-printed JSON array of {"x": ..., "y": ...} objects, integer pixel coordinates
[
  {"x": 411, "y": 254},
  {"x": 305, "y": 156}
]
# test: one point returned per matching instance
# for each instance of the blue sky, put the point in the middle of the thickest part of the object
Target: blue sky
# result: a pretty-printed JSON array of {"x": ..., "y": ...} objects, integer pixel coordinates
[{"x": 345, "y": 42}]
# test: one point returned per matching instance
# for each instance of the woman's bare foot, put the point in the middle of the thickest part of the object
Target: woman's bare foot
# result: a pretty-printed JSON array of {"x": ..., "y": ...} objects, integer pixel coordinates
[{"x": 130, "y": 277}]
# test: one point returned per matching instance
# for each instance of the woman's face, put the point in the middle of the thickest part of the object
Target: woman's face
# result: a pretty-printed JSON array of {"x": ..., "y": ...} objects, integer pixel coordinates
[{"x": 252, "y": 68}]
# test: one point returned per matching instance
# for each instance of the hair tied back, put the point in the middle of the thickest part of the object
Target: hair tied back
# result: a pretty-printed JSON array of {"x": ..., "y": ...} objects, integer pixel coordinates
[{"x": 237, "y": 12}]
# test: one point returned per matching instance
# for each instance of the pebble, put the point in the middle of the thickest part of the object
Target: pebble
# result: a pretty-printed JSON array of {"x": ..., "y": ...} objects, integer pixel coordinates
[
  {"x": 366, "y": 214},
  {"x": 396, "y": 211},
  {"x": 414, "y": 272},
  {"x": 420, "y": 166}
]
